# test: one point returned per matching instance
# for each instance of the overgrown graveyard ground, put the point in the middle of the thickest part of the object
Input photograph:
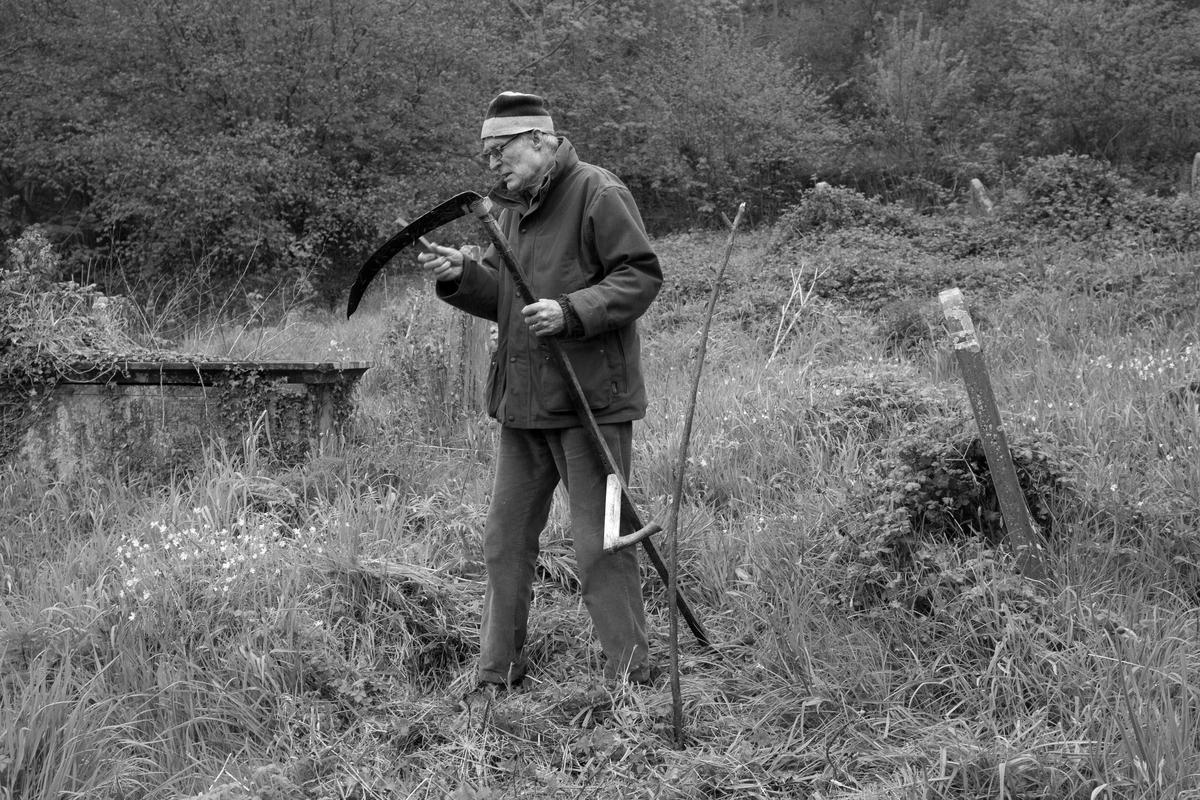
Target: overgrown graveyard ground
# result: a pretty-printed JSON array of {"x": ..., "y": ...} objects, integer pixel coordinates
[{"x": 257, "y": 632}]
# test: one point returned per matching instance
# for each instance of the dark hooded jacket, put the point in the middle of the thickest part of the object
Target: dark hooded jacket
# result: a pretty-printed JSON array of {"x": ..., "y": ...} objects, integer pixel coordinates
[{"x": 579, "y": 240}]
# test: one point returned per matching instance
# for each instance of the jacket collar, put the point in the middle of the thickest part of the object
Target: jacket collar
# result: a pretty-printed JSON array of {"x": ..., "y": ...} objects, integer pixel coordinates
[{"x": 565, "y": 158}]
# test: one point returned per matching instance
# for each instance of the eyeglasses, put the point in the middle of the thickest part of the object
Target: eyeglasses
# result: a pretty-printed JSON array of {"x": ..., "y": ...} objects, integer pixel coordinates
[{"x": 496, "y": 151}]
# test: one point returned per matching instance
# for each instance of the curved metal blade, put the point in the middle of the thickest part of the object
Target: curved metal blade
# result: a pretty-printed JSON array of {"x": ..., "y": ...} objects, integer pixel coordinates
[{"x": 446, "y": 211}]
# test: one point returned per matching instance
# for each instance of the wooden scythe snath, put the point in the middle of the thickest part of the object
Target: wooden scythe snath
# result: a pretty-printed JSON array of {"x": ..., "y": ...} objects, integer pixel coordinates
[{"x": 1023, "y": 534}]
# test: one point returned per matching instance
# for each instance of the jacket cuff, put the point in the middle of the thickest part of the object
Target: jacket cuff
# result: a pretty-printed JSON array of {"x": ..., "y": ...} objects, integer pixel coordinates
[{"x": 572, "y": 324}]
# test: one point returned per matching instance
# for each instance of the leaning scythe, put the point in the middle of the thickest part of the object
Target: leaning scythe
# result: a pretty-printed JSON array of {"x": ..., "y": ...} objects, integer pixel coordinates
[{"x": 472, "y": 203}]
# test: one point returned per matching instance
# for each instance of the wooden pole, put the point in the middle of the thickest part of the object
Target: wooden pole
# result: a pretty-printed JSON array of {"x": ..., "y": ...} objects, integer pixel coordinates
[
  {"x": 474, "y": 354},
  {"x": 467, "y": 361},
  {"x": 672, "y": 526},
  {"x": 1022, "y": 533},
  {"x": 473, "y": 359}
]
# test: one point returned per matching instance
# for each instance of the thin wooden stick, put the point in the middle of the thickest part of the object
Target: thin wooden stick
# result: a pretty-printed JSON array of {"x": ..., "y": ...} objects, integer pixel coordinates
[{"x": 672, "y": 525}]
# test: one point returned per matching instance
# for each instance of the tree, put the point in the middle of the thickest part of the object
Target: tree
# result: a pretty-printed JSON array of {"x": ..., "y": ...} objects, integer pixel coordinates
[
  {"x": 1112, "y": 79},
  {"x": 919, "y": 87},
  {"x": 178, "y": 142},
  {"x": 682, "y": 102}
]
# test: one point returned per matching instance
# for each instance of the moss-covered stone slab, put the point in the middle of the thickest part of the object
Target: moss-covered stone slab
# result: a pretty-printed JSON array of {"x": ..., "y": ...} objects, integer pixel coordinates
[{"x": 157, "y": 419}]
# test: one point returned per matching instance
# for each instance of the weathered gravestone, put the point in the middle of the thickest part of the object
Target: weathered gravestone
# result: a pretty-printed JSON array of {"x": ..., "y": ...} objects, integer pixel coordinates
[{"x": 157, "y": 418}]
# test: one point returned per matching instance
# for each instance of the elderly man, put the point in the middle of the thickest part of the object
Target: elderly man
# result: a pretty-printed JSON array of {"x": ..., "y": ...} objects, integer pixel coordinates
[{"x": 579, "y": 238}]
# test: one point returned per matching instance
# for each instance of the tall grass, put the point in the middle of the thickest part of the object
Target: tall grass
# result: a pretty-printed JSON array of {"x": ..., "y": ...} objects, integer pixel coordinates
[{"x": 250, "y": 632}]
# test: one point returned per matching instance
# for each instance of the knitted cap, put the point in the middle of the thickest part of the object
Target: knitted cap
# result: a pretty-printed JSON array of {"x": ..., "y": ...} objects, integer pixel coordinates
[{"x": 511, "y": 113}]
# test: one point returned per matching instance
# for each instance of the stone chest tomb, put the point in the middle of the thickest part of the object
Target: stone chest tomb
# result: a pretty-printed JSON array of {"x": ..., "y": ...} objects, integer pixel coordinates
[{"x": 158, "y": 418}]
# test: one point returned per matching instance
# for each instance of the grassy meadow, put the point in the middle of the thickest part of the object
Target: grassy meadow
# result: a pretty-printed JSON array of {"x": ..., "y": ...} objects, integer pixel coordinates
[{"x": 257, "y": 632}]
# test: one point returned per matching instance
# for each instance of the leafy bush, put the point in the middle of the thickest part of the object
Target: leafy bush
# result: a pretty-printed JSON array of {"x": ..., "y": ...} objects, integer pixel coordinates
[
  {"x": 858, "y": 244},
  {"x": 906, "y": 325},
  {"x": 933, "y": 486},
  {"x": 870, "y": 254},
  {"x": 1170, "y": 223},
  {"x": 1075, "y": 196},
  {"x": 772, "y": 436},
  {"x": 870, "y": 270},
  {"x": 1117, "y": 80},
  {"x": 47, "y": 326},
  {"x": 254, "y": 210},
  {"x": 874, "y": 255},
  {"x": 966, "y": 237},
  {"x": 1149, "y": 289},
  {"x": 833, "y": 208}
]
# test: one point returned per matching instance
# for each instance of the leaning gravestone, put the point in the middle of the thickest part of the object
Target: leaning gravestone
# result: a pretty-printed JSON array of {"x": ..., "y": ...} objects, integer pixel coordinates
[{"x": 1023, "y": 534}]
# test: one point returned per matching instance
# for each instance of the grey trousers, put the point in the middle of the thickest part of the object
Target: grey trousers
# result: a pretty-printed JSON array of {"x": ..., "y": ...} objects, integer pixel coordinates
[{"x": 529, "y": 466}]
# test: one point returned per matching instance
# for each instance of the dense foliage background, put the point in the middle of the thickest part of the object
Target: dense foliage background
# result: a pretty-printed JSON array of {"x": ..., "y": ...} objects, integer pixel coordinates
[{"x": 175, "y": 148}]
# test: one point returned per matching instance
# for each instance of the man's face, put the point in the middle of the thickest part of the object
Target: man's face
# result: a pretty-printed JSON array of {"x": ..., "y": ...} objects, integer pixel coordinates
[{"x": 517, "y": 160}]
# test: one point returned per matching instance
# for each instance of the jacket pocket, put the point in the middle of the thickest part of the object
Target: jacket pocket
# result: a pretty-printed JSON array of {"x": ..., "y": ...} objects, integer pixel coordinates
[
  {"x": 596, "y": 363},
  {"x": 567, "y": 276}
]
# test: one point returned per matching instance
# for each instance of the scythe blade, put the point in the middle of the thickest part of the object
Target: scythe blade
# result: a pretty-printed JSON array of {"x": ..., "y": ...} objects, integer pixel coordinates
[{"x": 436, "y": 217}]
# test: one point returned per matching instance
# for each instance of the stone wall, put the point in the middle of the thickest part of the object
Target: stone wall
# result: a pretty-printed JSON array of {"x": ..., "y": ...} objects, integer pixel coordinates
[{"x": 156, "y": 420}]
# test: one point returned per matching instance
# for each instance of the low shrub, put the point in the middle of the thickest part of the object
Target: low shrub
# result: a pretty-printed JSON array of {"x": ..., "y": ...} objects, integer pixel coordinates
[
  {"x": 1083, "y": 199},
  {"x": 873, "y": 256},
  {"x": 47, "y": 325},
  {"x": 870, "y": 270},
  {"x": 933, "y": 488},
  {"x": 47, "y": 328},
  {"x": 1078, "y": 197},
  {"x": 962, "y": 238},
  {"x": 834, "y": 208},
  {"x": 775, "y": 438},
  {"x": 838, "y": 209},
  {"x": 907, "y": 325},
  {"x": 867, "y": 268},
  {"x": 1148, "y": 288},
  {"x": 870, "y": 255},
  {"x": 254, "y": 212},
  {"x": 1166, "y": 223}
]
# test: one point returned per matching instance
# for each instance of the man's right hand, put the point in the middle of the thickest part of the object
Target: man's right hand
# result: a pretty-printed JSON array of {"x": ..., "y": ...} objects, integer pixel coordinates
[{"x": 445, "y": 263}]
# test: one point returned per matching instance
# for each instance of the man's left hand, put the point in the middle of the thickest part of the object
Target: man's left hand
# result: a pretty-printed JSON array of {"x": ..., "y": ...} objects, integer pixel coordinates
[{"x": 544, "y": 317}]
